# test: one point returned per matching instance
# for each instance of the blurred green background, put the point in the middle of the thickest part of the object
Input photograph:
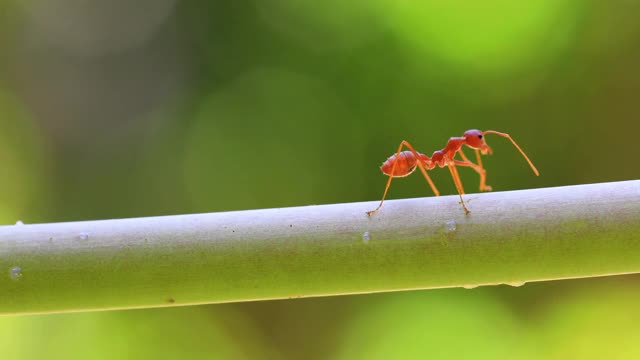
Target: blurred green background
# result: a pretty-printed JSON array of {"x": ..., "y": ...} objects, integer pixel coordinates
[{"x": 115, "y": 109}]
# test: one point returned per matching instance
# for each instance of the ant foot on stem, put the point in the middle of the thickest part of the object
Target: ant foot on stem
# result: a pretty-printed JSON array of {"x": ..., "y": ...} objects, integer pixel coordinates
[{"x": 466, "y": 211}]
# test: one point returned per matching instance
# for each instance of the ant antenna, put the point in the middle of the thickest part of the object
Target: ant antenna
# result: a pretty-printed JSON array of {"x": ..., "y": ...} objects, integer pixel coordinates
[{"x": 517, "y": 147}]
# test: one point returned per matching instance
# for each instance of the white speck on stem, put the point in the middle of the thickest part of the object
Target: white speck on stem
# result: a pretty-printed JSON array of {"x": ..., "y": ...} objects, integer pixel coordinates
[
  {"x": 84, "y": 236},
  {"x": 15, "y": 273},
  {"x": 366, "y": 237},
  {"x": 516, "y": 283},
  {"x": 19, "y": 222},
  {"x": 450, "y": 226}
]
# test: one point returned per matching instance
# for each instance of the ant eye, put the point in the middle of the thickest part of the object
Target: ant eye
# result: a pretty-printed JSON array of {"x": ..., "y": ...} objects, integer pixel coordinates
[{"x": 480, "y": 136}]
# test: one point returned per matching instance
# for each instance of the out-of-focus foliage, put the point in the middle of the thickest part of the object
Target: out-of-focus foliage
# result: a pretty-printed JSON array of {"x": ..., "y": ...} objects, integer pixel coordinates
[
  {"x": 436, "y": 325},
  {"x": 22, "y": 158},
  {"x": 489, "y": 37},
  {"x": 177, "y": 333},
  {"x": 593, "y": 325},
  {"x": 120, "y": 109}
]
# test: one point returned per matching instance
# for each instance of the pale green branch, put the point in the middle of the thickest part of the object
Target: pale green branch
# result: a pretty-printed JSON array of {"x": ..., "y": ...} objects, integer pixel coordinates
[{"x": 509, "y": 237}]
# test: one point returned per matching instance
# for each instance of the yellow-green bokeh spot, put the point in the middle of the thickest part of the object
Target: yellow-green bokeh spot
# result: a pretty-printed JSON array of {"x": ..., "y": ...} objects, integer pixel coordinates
[
  {"x": 593, "y": 323},
  {"x": 442, "y": 324},
  {"x": 494, "y": 36},
  {"x": 190, "y": 333}
]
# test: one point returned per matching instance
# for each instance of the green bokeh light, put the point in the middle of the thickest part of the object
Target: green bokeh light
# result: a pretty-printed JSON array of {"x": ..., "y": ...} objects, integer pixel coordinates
[
  {"x": 484, "y": 37},
  {"x": 594, "y": 323},
  {"x": 442, "y": 324},
  {"x": 193, "y": 333}
]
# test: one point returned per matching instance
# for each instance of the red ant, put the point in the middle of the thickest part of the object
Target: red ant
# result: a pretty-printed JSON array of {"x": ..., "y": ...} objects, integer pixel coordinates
[{"x": 403, "y": 163}]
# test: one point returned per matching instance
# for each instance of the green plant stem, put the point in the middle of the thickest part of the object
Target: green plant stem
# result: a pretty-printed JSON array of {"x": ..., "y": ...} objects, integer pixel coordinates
[{"x": 509, "y": 237}]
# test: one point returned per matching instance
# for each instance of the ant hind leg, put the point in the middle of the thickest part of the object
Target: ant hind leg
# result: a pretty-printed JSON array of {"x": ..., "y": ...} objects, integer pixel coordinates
[{"x": 458, "y": 183}]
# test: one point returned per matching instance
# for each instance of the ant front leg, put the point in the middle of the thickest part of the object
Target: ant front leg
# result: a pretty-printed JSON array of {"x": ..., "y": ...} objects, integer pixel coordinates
[{"x": 477, "y": 167}]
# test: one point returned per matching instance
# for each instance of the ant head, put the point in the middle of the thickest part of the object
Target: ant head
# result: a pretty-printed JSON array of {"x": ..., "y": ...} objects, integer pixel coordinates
[{"x": 475, "y": 140}]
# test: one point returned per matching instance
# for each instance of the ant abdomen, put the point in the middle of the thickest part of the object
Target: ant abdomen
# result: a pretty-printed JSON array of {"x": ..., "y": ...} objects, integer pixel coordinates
[{"x": 405, "y": 164}]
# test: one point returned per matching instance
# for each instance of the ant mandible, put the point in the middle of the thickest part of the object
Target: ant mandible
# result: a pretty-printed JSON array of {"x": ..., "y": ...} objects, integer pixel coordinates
[{"x": 403, "y": 163}]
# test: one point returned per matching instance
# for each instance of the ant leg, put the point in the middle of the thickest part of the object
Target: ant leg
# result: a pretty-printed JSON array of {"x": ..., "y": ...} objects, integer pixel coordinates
[
  {"x": 456, "y": 180},
  {"x": 478, "y": 168},
  {"x": 386, "y": 188},
  {"x": 422, "y": 168},
  {"x": 483, "y": 177},
  {"x": 419, "y": 164},
  {"x": 384, "y": 195},
  {"x": 393, "y": 168}
]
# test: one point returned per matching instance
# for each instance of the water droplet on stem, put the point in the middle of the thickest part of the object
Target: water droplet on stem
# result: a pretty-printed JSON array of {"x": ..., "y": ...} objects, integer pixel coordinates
[
  {"x": 15, "y": 273},
  {"x": 450, "y": 226}
]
